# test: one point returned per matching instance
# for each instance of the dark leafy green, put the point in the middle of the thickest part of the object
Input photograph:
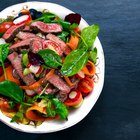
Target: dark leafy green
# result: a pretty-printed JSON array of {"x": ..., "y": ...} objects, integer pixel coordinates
[
  {"x": 74, "y": 62},
  {"x": 93, "y": 55},
  {"x": 51, "y": 58},
  {"x": 88, "y": 36},
  {"x": 11, "y": 90},
  {"x": 60, "y": 108}
]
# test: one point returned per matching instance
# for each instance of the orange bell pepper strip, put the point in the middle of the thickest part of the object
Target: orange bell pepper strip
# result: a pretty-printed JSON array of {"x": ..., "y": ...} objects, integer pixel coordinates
[
  {"x": 89, "y": 68},
  {"x": 9, "y": 73},
  {"x": 73, "y": 43},
  {"x": 32, "y": 115}
]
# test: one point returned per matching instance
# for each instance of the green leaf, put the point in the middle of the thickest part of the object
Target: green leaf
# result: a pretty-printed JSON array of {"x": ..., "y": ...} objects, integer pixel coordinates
[
  {"x": 93, "y": 55},
  {"x": 60, "y": 108},
  {"x": 4, "y": 50},
  {"x": 88, "y": 36},
  {"x": 50, "y": 111},
  {"x": 63, "y": 35},
  {"x": 74, "y": 62},
  {"x": 17, "y": 116},
  {"x": 11, "y": 90},
  {"x": 46, "y": 17},
  {"x": 66, "y": 25},
  {"x": 51, "y": 58}
]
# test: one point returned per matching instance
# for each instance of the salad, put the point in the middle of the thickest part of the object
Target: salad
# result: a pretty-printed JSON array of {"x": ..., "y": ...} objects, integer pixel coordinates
[{"x": 47, "y": 65}]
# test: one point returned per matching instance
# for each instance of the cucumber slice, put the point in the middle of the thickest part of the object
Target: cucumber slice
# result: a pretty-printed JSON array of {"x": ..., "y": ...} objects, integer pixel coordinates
[
  {"x": 26, "y": 71},
  {"x": 25, "y": 59}
]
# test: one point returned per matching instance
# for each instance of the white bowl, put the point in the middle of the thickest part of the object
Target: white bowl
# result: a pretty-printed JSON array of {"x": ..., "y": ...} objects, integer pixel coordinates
[{"x": 78, "y": 114}]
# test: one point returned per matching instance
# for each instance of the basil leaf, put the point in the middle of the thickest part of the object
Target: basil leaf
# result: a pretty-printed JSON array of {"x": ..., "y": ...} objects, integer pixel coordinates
[
  {"x": 17, "y": 116},
  {"x": 4, "y": 50},
  {"x": 51, "y": 58},
  {"x": 60, "y": 108},
  {"x": 74, "y": 62},
  {"x": 11, "y": 90},
  {"x": 88, "y": 36},
  {"x": 93, "y": 55}
]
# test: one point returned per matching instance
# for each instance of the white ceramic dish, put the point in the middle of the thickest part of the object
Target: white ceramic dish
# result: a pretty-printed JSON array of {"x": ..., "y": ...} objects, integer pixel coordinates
[{"x": 78, "y": 114}]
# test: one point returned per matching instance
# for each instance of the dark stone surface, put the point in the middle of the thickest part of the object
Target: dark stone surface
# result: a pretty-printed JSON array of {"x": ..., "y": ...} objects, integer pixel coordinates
[{"x": 116, "y": 115}]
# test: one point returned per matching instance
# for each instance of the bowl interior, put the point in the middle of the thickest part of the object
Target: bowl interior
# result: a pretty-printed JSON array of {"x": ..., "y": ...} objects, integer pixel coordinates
[{"x": 76, "y": 115}]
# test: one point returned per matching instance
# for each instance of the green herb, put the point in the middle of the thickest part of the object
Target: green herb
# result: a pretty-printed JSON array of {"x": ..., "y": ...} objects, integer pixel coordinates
[
  {"x": 51, "y": 58},
  {"x": 12, "y": 104},
  {"x": 88, "y": 36},
  {"x": 65, "y": 24},
  {"x": 46, "y": 17},
  {"x": 93, "y": 55},
  {"x": 20, "y": 114},
  {"x": 63, "y": 35},
  {"x": 50, "y": 111},
  {"x": 3, "y": 55},
  {"x": 74, "y": 62},
  {"x": 60, "y": 108},
  {"x": 9, "y": 18},
  {"x": 11, "y": 90}
]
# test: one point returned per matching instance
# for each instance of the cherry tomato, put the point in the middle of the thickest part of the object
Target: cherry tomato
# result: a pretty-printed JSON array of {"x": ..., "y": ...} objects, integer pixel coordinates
[
  {"x": 74, "y": 98},
  {"x": 85, "y": 86},
  {"x": 5, "y": 26},
  {"x": 4, "y": 106}
]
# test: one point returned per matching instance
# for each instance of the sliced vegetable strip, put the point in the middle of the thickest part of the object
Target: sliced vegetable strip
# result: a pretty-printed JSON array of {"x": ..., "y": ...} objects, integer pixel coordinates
[{"x": 89, "y": 68}]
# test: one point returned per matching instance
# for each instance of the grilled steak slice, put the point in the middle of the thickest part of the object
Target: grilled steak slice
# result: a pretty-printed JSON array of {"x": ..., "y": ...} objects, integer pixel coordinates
[
  {"x": 24, "y": 43},
  {"x": 25, "y": 35},
  {"x": 12, "y": 31},
  {"x": 21, "y": 44},
  {"x": 49, "y": 44},
  {"x": 62, "y": 96},
  {"x": 36, "y": 45},
  {"x": 15, "y": 60},
  {"x": 61, "y": 43},
  {"x": 58, "y": 82},
  {"x": 46, "y": 27},
  {"x": 27, "y": 29}
]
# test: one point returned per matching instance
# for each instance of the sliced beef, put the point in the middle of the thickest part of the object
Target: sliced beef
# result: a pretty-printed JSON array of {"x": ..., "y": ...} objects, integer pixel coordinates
[
  {"x": 36, "y": 45},
  {"x": 15, "y": 60},
  {"x": 62, "y": 96},
  {"x": 49, "y": 44},
  {"x": 27, "y": 29},
  {"x": 46, "y": 27},
  {"x": 25, "y": 35},
  {"x": 61, "y": 43},
  {"x": 23, "y": 44},
  {"x": 12, "y": 31},
  {"x": 59, "y": 83}
]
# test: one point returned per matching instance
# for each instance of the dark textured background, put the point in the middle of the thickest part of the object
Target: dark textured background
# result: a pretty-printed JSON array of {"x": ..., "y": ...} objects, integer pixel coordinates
[{"x": 116, "y": 115}]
